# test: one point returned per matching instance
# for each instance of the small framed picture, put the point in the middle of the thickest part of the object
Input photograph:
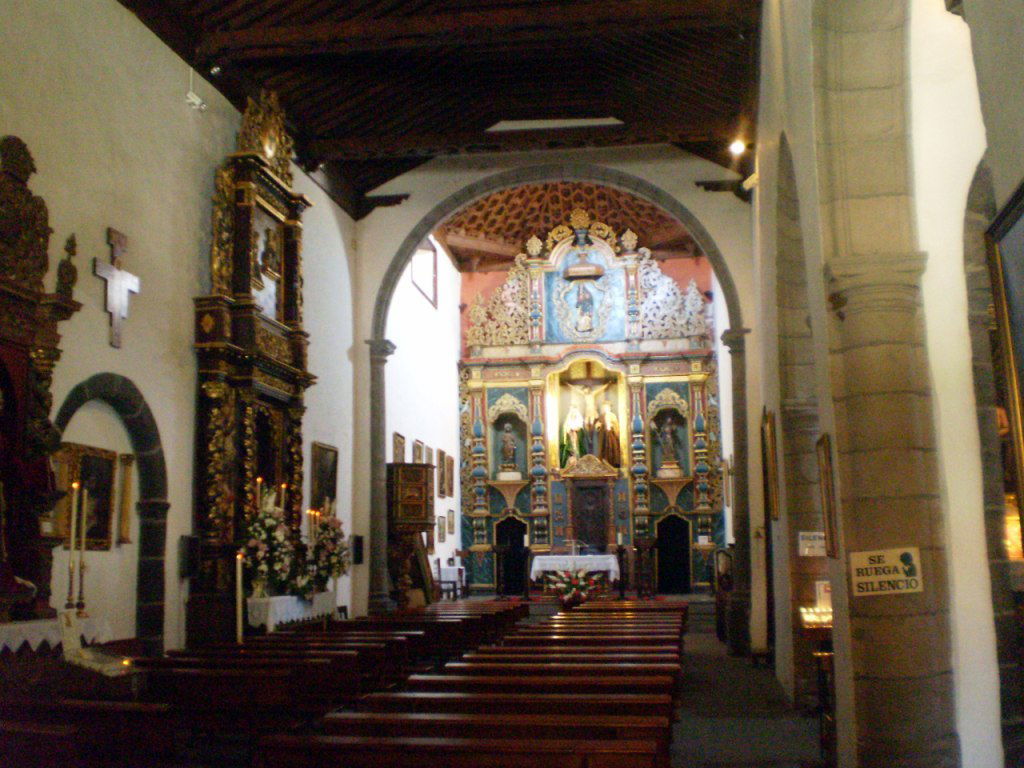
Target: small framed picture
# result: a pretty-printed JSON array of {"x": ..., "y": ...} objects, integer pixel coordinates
[
  {"x": 442, "y": 486},
  {"x": 441, "y": 528},
  {"x": 324, "y": 482},
  {"x": 428, "y": 456},
  {"x": 451, "y": 521},
  {"x": 96, "y": 470},
  {"x": 397, "y": 448},
  {"x": 417, "y": 451},
  {"x": 449, "y": 475}
]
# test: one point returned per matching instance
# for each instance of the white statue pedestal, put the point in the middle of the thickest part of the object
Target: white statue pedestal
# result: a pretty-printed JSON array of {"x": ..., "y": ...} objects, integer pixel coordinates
[
  {"x": 669, "y": 470},
  {"x": 509, "y": 475}
]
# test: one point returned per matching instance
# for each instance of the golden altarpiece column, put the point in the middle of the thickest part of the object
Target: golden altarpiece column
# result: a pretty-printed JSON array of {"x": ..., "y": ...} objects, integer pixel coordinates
[{"x": 251, "y": 349}]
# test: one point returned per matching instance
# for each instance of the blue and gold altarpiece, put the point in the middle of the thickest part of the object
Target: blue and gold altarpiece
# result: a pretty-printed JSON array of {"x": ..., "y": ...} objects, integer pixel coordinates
[{"x": 589, "y": 404}]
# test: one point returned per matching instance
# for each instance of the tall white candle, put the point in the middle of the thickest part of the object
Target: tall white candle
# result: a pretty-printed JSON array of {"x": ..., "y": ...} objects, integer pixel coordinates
[
  {"x": 284, "y": 497},
  {"x": 618, "y": 538},
  {"x": 74, "y": 520},
  {"x": 83, "y": 525},
  {"x": 526, "y": 540},
  {"x": 259, "y": 493},
  {"x": 239, "y": 634}
]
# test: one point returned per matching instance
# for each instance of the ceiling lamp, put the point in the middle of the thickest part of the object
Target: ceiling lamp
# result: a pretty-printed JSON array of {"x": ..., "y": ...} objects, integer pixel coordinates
[{"x": 737, "y": 148}]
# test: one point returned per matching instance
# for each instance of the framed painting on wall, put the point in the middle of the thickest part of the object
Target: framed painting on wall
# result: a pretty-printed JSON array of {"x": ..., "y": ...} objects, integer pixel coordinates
[
  {"x": 423, "y": 271},
  {"x": 397, "y": 448},
  {"x": 323, "y": 485},
  {"x": 428, "y": 456},
  {"x": 442, "y": 485},
  {"x": 96, "y": 470},
  {"x": 449, "y": 474},
  {"x": 451, "y": 522},
  {"x": 417, "y": 451},
  {"x": 442, "y": 527},
  {"x": 1005, "y": 241},
  {"x": 770, "y": 463}
]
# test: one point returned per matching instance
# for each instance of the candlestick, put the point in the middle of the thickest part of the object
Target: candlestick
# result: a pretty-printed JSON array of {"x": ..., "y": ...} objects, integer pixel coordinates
[
  {"x": 284, "y": 497},
  {"x": 259, "y": 493},
  {"x": 83, "y": 525},
  {"x": 72, "y": 539},
  {"x": 239, "y": 630}
]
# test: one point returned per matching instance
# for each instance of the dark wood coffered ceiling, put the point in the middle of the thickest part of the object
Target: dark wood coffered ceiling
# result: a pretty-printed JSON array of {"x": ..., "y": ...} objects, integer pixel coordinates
[{"x": 373, "y": 88}]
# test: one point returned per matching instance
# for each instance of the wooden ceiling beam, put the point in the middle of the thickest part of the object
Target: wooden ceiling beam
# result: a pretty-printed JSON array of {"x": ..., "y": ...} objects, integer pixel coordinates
[
  {"x": 476, "y": 142},
  {"x": 481, "y": 245},
  {"x": 507, "y": 24}
]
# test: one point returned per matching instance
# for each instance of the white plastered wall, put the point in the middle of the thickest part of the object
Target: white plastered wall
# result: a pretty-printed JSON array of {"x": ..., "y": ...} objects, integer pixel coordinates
[
  {"x": 423, "y": 380},
  {"x": 726, "y": 219},
  {"x": 948, "y": 142},
  {"x": 100, "y": 101}
]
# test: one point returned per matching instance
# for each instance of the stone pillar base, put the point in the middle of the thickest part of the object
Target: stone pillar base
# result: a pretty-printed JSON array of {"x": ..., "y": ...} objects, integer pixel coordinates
[
  {"x": 737, "y": 622},
  {"x": 380, "y": 604}
]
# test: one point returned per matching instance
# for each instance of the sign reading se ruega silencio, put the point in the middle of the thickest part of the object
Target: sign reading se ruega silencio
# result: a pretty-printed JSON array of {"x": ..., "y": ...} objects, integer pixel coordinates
[{"x": 886, "y": 572}]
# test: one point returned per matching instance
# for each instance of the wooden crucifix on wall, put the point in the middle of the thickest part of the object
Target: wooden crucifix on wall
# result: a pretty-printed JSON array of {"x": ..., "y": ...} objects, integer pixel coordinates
[{"x": 119, "y": 283}]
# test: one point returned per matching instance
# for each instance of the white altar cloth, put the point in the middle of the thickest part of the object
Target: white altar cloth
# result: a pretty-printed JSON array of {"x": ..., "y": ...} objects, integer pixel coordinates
[
  {"x": 270, "y": 611},
  {"x": 14, "y": 634},
  {"x": 548, "y": 563}
]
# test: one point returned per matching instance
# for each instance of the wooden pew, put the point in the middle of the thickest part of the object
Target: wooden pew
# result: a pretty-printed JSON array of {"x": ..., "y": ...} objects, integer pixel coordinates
[
  {"x": 659, "y": 705},
  {"x": 371, "y": 752},
  {"x": 113, "y": 733},
  {"x": 594, "y": 640},
  {"x": 38, "y": 745},
  {"x": 597, "y": 650},
  {"x": 541, "y": 656},
  {"x": 517, "y": 726},
  {"x": 541, "y": 683},
  {"x": 566, "y": 669}
]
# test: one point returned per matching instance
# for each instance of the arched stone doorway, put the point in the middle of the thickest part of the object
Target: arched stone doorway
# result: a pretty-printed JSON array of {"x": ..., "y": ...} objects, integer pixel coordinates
[
  {"x": 381, "y": 348},
  {"x": 124, "y": 397}
]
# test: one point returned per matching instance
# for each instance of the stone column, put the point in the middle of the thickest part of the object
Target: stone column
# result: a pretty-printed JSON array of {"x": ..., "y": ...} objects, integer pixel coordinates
[
  {"x": 380, "y": 585},
  {"x": 889, "y": 489},
  {"x": 738, "y": 619}
]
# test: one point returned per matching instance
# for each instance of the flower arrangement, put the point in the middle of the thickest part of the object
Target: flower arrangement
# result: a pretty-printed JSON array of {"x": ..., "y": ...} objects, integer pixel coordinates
[
  {"x": 269, "y": 547},
  {"x": 573, "y": 587},
  {"x": 328, "y": 555}
]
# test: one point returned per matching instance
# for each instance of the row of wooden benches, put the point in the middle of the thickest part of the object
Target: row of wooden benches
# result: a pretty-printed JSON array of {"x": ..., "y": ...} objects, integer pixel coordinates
[
  {"x": 586, "y": 689},
  {"x": 277, "y": 683}
]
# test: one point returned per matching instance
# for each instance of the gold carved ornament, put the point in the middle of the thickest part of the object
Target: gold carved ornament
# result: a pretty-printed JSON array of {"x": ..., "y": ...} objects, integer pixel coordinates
[
  {"x": 273, "y": 346},
  {"x": 504, "y": 319},
  {"x": 24, "y": 219},
  {"x": 223, "y": 232},
  {"x": 508, "y": 403},
  {"x": 263, "y": 133},
  {"x": 220, "y": 459}
]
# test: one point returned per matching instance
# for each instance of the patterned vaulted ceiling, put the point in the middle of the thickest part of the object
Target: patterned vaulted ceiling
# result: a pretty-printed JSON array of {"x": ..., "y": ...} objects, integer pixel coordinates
[
  {"x": 489, "y": 233},
  {"x": 373, "y": 88}
]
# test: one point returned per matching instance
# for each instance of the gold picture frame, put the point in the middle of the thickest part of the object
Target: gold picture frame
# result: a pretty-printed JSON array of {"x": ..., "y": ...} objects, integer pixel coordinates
[
  {"x": 770, "y": 463},
  {"x": 451, "y": 522},
  {"x": 428, "y": 456},
  {"x": 442, "y": 527},
  {"x": 96, "y": 470},
  {"x": 323, "y": 484},
  {"x": 397, "y": 448},
  {"x": 417, "y": 451},
  {"x": 827, "y": 489}
]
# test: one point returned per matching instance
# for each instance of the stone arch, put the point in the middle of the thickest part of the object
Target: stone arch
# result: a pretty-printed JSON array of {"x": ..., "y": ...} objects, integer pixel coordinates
[
  {"x": 980, "y": 211},
  {"x": 124, "y": 397},
  {"x": 734, "y": 338},
  {"x": 798, "y": 433}
]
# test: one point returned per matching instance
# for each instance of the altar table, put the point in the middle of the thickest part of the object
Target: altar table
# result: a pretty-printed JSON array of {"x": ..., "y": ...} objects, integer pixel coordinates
[
  {"x": 269, "y": 612},
  {"x": 14, "y": 634},
  {"x": 548, "y": 563}
]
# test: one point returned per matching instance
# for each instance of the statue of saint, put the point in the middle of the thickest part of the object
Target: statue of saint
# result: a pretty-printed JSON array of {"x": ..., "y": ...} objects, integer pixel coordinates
[
  {"x": 67, "y": 273},
  {"x": 606, "y": 436},
  {"x": 508, "y": 449},
  {"x": 574, "y": 436},
  {"x": 668, "y": 437}
]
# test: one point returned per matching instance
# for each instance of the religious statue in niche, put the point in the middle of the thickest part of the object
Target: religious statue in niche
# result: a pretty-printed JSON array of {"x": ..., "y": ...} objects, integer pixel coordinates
[
  {"x": 508, "y": 449},
  {"x": 574, "y": 437},
  {"x": 671, "y": 446},
  {"x": 606, "y": 436}
]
